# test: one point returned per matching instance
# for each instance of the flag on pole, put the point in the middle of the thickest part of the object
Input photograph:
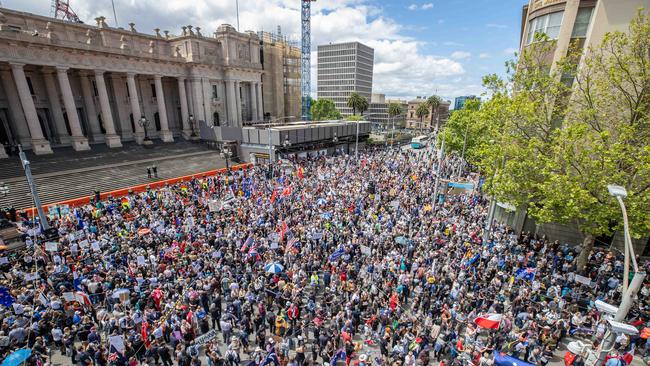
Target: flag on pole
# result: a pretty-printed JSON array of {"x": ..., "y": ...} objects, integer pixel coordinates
[
  {"x": 300, "y": 173},
  {"x": 145, "y": 334},
  {"x": 489, "y": 321},
  {"x": 274, "y": 195},
  {"x": 286, "y": 191},
  {"x": 291, "y": 245},
  {"x": 248, "y": 243},
  {"x": 338, "y": 356},
  {"x": 270, "y": 358},
  {"x": 527, "y": 274},
  {"x": 283, "y": 230},
  {"x": 5, "y": 297}
]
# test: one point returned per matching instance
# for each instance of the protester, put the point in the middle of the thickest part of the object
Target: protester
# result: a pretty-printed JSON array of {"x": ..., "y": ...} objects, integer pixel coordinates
[{"x": 334, "y": 259}]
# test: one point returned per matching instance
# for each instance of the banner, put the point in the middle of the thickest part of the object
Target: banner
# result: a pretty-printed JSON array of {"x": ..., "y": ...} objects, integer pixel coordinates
[{"x": 205, "y": 338}]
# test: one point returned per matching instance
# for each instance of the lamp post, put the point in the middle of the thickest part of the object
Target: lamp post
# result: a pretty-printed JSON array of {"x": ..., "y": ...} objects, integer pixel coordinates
[
  {"x": 286, "y": 144},
  {"x": 226, "y": 154},
  {"x": 32, "y": 187},
  {"x": 191, "y": 122},
  {"x": 144, "y": 123},
  {"x": 335, "y": 139},
  {"x": 637, "y": 281}
]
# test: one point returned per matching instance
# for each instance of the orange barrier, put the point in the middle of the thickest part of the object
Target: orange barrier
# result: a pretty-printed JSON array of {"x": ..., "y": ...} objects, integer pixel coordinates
[{"x": 81, "y": 201}]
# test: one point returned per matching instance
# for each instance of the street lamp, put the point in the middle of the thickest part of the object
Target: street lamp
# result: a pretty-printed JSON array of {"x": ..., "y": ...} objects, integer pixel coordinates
[
  {"x": 191, "y": 121},
  {"x": 226, "y": 154},
  {"x": 144, "y": 124},
  {"x": 637, "y": 281}
]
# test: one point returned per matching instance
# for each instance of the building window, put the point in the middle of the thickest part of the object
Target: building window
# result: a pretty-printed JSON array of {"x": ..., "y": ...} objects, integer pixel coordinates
[
  {"x": 215, "y": 119},
  {"x": 548, "y": 24},
  {"x": 215, "y": 95},
  {"x": 29, "y": 85},
  {"x": 153, "y": 90},
  {"x": 582, "y": 22}
]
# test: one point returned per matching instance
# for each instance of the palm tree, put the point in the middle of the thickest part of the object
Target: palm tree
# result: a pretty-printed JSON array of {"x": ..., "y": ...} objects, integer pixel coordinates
[
  {"x": 423, "y": 110},
  {"x": 434, "y": 102},
  {"x": 357, "y": 103}
]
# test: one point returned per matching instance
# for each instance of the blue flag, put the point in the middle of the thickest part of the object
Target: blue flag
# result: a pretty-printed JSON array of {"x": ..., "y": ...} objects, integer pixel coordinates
[
  {"x": 502, "y": 359},
  {"x": 338, "y": 356},
  {"x": 270, "y": 358},
  {"x": 527, "y": 274},
  {"x": 5, "y": 297},
  {"x": 473, "y": 259},
  {"x": 337, "y": 254}
]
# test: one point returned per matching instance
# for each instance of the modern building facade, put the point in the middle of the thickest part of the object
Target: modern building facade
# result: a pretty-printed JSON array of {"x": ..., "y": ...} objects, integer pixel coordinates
[
  {"x": 377, "y": 110},
  {"x": 459, "y": 102},
  {"x": 413, "y": 121},
  {"x": 72, "y": 84},
  {"x": 344, "y": 68},
  {"x": 281, "y": 80},
  {"x": 576, "y": 23}
]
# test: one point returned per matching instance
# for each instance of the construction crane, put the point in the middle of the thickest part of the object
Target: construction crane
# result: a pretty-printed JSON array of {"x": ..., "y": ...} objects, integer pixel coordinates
[
  {"x": 305, "y": 69},
  {"x": 61, "y": 10}
]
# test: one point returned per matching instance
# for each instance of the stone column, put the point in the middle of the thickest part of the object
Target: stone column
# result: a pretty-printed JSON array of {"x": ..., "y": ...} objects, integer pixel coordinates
[
  {"x": 112, "y": 139},
  {"x": 238, "y": 103},
  {"x": 260, "y": 101},
  {"x": 185, "y": 115},
  {"x": 55, "y": 107},
  {"x": 165, "y": 133},
  {"x": 254, "y": 114},
  {"x": 15, "y": 111},
  {"x": 197, "y": 98},
  {"x": 135, "y": 106},
  {"x": 39, "y": 144},
  {"x": 231, "y": 106},
  {"x": 95, "y": 132},
  {"x": 79, "y": 141}
]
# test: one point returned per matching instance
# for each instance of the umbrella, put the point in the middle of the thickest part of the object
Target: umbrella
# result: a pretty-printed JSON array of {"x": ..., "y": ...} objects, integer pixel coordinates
[
  {"x": 17, "y": 357},
  {"x": 321, "y": 201},
  {"x": 400, "y": 240},
  {"x": 273, "y": 268}
]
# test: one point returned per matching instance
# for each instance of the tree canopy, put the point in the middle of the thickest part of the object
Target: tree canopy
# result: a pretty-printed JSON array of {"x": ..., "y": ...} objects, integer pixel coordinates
[
  {"x": 357, "y": 103},
  {"x": 555, "y": 137},
  {"x": 324, "y": 109}
]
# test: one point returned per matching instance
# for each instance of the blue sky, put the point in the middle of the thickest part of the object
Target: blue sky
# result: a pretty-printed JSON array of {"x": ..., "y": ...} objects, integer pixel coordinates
[{"x": 421, "y": 47}]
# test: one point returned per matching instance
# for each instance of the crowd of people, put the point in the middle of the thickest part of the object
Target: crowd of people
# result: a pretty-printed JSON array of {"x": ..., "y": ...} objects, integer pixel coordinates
[{"x": 326, "y": 260}]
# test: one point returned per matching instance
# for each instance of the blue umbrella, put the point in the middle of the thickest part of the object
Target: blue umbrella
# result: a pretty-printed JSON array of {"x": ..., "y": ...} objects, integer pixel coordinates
[
  {"x": 18, "y": 357},
  {"x": 321, "y": 202},
  {"x": 273, "y": 268}
]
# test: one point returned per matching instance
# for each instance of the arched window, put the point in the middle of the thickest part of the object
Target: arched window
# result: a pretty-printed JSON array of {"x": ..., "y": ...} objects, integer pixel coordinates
[
  {"x": 132, "y": 122},
  {"x": 156, "y": 118},
  {"x": 215, "y": 119}
]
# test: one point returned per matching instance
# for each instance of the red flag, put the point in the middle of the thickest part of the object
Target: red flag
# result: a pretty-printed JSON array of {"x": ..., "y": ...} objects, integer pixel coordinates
[
  {"x": 274, "y": 195},
  {"x": 145, "y": 334},
  {"x": 189, "y": 316},
  {"x": 489, "y": 321},
  {"x": 286, "y": 191},
  {"x": 283, "y": 231},
  {"x": 157, "y": 296},
  {"x": 300, "y": 174}
]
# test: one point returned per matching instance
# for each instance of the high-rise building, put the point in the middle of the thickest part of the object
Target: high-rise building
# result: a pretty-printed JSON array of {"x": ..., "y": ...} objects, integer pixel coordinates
[
  {"x": 344, "y": 68},
  {"x": 459, "y": 102}
]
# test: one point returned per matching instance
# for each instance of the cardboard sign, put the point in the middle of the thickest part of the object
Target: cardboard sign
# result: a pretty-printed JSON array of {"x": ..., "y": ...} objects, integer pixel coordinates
[
  {"x": 31, "y": 276},
  {"x": 141, "y": 261},
  {"x": 366, "y": 250},
  {"x": 95, "y": 246},
  {"x": 205, "y": 338},
  {"x": 51, "y": 246},
  {"x": 69, "y": 296},
  {"x": 117, "y": 342},
  {"x": 4, "y": 260},
  {"x": 584, "y": 280},
  {"x": 83, "y": 244}
]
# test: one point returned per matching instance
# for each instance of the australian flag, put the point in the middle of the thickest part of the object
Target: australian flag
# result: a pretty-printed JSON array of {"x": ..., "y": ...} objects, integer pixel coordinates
[
  {"x": 337, "y": 254},
  {"x": 270, "y": 358},
  {"x": 338, "y": 356},
  {"x": 5, "y": 297},
  {"x": 527, "y": 274}
]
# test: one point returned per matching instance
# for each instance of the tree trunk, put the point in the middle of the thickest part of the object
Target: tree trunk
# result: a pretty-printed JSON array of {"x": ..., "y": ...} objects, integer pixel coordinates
[{"x": 583, "y": 257}]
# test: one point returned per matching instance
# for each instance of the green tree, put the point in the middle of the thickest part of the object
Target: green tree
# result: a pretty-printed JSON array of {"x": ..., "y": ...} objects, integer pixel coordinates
[
  {"x": 324, "y": 109},
  {"x": 357, "y": 103},
  {"x": 394, "y": 110},
  {"x": 421, "y": 111},
  {"x": 434, "y": 102},
  {"x": 354, "y": 118}
]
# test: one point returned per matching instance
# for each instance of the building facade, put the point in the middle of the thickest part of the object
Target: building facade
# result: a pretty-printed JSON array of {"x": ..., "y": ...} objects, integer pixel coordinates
[
  {"x": 281, "y": 63},
  {"x": 73, "y": 84},
  {"x": 413, "y": 121},
  {"x": 459, "y": 102},
  {"x": 378, "y": 110},
  {"x": 343, "y": 69}
]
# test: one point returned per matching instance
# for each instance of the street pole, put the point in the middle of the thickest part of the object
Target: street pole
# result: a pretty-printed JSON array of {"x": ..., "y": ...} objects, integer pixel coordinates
[
  {"x": 32, "y": 188},
  {"x": 628, "y": 244},
  {"x": 435, "y": 188},
  {"x": 356, "y": 148}
]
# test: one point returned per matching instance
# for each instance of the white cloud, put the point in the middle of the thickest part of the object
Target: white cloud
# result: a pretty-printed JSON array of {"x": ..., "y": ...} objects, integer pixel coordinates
[
  {"x": 459, "y": 55},
  {"x": 427, "y": 6},
  {"x": 403, "y": 66},
  {"x": 495, "y": 25},
  {"x": 413, "y": 7},
  {"x": 484, "y": 55}
]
